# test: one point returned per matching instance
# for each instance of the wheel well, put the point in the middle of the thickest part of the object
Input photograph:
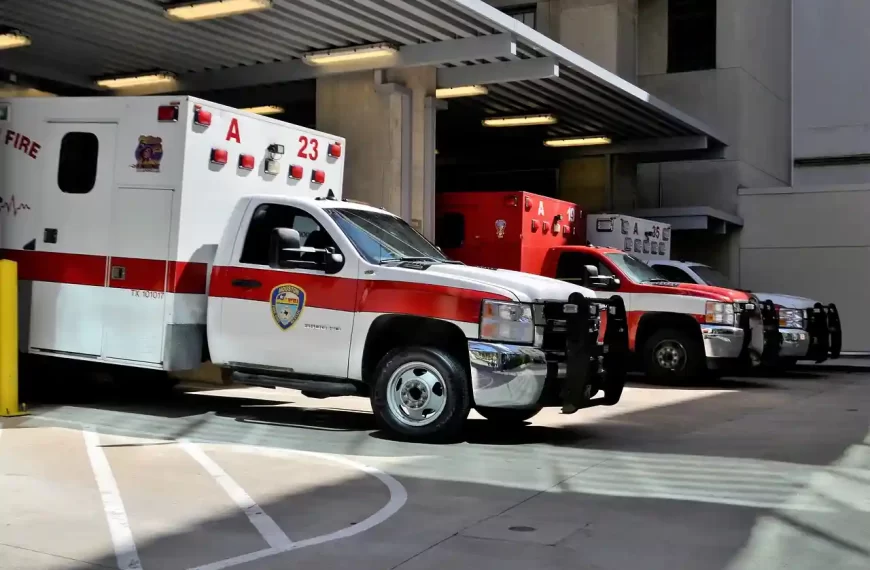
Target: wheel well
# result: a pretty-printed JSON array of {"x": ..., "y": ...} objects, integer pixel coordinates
[
  {"x": 652, "y": 322},
  {"x": 393, "y": 331}
]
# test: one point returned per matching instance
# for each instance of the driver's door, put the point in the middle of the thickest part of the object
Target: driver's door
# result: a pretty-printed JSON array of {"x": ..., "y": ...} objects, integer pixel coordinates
[{"x": 293, "y": 320}]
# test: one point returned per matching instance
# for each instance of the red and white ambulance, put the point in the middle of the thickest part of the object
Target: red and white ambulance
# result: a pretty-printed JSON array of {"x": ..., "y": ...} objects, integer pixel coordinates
[
  {"x": 159, "y": 232},
  {"x": 675, "y": 329}
]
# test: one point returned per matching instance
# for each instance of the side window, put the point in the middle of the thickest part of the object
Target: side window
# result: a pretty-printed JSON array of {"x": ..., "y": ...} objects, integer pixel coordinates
[
  {"x": 450, "y": 230},
  {"x": 77, "y": 166},
  {"x": 571, "y": 267},
  {"x": 674, "y": 274},
  {"x": 266, "y": 218}
]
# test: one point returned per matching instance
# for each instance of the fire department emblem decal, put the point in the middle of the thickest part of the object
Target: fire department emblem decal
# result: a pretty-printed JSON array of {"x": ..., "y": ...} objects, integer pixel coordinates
[
  {"x": 500, "y": 226},
  {"x": 149, "y": 153},
  {"x": 287, "y": 302}
]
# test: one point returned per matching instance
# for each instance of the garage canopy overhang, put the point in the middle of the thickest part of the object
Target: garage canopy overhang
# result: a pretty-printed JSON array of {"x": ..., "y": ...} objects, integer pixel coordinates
[
  {"x": 693, "y": 218},
  {"x": 75, "y": 42}
]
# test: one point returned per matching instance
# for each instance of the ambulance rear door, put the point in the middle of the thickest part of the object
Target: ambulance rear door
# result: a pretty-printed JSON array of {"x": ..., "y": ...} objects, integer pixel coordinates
[{"x": 70, "y": 262}]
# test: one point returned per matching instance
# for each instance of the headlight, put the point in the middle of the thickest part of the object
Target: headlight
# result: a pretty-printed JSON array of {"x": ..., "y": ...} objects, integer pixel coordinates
[
  {"x": 719, "y": 313},
  {"x": 792, "y": 318},
  {"x": 507, "y": 322}
]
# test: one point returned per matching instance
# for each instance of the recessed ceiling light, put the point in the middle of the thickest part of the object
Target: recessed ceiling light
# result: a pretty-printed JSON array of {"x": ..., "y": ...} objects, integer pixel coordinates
[
  {"x": 206, "y": 10},
  {"x": 265, "y": 110},
  {"x": 463, "y": 91},
  {"x": 521, "y": 121},
  {"x": 13, "y": 39},
  {"x": 347, "y": 55},
  {"x": 578, "y": 141},
  {"x": 135, "y": 80}
]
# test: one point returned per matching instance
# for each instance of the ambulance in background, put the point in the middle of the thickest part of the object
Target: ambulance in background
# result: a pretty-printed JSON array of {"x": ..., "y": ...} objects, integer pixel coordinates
[
  {"x": 163, "y": 232},
  {"x": 676, "y": 330},
  {"x": 809, "y": 329}
]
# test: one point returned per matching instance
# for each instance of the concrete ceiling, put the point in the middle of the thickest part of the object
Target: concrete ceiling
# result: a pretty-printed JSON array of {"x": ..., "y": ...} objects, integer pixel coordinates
[{"x": 76, "y": 41}]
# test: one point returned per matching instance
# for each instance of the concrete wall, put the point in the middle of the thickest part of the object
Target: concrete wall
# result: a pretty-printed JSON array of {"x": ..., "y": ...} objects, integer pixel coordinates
[
  {"x": 747, "y": 99},
  {"x": 813, "y": 242},
  {"x": 832, "y": 116}
]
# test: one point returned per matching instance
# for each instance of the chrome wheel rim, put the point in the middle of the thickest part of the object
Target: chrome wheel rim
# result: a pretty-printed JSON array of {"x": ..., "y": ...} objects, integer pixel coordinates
[
  {"x": 670, "y": 355},
  {"x": 416, "y": 394}
]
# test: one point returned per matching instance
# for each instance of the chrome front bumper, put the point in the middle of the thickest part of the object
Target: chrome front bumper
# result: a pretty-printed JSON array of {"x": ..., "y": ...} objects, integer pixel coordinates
[
  {"x": 506, "y": 375},
  {"x": 722, "y": 341},
  {"x": 795, "y": 343}
]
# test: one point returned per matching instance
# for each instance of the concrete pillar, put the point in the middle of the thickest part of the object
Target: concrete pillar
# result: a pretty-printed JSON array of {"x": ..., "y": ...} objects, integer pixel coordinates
[
  {"x": 604, "y": 31},
  {"x": 388, "y": 121}
]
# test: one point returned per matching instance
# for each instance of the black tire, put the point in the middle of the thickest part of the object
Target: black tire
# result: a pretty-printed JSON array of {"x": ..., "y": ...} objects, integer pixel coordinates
[
  {"x": 507, "y": 416},
  {"x": 455, "y": 391},
  {"x": 690, "y": 360}
]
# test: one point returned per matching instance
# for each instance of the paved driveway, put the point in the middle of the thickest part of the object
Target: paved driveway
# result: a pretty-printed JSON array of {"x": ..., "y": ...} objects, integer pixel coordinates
[{"x": 749, "y": 474}]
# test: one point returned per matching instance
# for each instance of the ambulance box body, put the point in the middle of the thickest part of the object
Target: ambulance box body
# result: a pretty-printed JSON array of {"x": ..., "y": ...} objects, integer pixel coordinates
[
  {"x": 644, "y": 239},
  {"x": 514, "y": 228},
  {"x": 113, "y": 208}
]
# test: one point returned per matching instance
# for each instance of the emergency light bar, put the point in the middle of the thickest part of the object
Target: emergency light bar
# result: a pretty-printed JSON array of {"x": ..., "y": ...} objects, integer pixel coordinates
[
  {"x": 347, "y": 55},
  {"x": 135, "y": 80},
  {"x": 191, "y": 10},
  {"x": 13, "y": 39}
]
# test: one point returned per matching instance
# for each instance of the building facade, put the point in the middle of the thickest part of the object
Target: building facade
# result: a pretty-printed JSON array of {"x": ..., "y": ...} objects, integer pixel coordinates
[{"x": 779, "y": 80}]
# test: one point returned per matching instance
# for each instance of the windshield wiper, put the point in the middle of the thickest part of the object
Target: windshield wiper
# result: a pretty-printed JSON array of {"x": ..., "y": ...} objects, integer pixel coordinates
[
  {"x": 655, "y": 280},
  {"x": 411, "y": 259}
]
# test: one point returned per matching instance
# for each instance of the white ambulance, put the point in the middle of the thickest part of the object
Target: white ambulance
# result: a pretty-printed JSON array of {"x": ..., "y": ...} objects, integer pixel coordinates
[
  {"x": 644, "y": 239},
  {"x": 160, "y": 232}
]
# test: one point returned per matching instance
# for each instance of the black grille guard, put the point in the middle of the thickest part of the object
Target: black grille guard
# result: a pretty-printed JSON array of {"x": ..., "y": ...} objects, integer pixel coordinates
[
  {"x": 836, "y": 331},
  {"x": 817, "y": 326},
  {"x": 770, "y": 325},
  {"x": 593, "y": 367}
]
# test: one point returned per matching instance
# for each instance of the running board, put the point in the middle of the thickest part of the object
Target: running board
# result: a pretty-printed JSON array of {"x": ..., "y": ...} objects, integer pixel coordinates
[{"x": 323, "y": 387}]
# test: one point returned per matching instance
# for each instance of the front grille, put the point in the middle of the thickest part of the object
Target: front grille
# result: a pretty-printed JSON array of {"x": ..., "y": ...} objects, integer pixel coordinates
[{"x": 551, "y": 316}]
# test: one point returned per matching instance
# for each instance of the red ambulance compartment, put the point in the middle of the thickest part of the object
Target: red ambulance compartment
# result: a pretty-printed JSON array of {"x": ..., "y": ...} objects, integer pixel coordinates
[{"x": 507, "y": 230}]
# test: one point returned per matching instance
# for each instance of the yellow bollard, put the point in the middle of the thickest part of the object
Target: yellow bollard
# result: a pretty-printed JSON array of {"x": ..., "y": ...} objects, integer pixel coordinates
[{"x": 9, "y": 339}]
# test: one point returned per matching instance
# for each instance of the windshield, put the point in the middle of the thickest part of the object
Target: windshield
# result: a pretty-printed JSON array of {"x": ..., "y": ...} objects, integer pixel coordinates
[
  {"x": 711, "y": 277},
  {"x": 635, "y": 269},
  {"x": 381, "y": 237}
]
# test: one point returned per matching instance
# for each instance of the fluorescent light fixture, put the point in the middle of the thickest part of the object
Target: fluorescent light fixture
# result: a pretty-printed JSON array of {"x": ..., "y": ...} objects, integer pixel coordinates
[
  {"x": 347, "y": 55},
  {"x": 578, "y": 141},
  {"x": 14, "y": 91},
  {"x": 464, "y": 91},
  {"x": 521, "y": 121},
  {"x": 265, "y": 110},
  {"x": 13, "y": 39},
  {"x": 136, "y": 80},
  {"x": 192, "y": 11}
]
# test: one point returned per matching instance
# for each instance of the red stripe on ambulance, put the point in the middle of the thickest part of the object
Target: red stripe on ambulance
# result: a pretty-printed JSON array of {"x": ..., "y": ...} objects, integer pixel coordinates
[
  {"x": 364, "y": 296},
  {"x": 92, "y": 270}
]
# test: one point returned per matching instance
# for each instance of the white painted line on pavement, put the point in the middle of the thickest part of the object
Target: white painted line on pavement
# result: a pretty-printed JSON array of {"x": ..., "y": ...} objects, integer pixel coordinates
[
  {"x": 119, "y": 525},
  {"x": 271, "y": 533},
  {"x": 398, "y": 497}
]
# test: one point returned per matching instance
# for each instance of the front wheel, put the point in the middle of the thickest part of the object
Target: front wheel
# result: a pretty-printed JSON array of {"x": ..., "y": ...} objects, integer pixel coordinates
[
  {"x": 421, "y": 393},
  {"x": 673, "y": 354},
  {"x": 507, "y": 416}
]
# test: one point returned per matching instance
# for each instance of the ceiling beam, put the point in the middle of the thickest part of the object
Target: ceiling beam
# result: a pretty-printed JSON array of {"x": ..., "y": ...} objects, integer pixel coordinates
[
  {"x": 640, "y": 146},
  {"x": 504, "y": 72},
  {"x": 416, "y": 55},
  {"x": 19, "y": 63}
]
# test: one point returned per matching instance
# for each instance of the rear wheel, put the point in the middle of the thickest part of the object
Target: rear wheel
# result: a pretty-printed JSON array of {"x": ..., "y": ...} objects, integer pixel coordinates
[
  {"x": 673, "y": 354},
  {"x": 421, "y": 393},
  {"x": 507, "y": 416}
]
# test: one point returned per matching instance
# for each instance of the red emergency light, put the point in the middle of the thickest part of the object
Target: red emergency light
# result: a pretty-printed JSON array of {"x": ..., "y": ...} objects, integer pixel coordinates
[
  {"x": 528, "y": 203},
  {"x": 296, "y": 172},
  {"x": 246, "y": 161},
  {"x": 318, "y": 177},
  {"x": 510, "y": 201},
  {"x": 534, "y": 225},
  {"x": 546, "y": 227},
  {"x": 167, "y": 113},
  {"x": 219, "y": 156},
  {"x": 201, "y": 117},
  {"x": 334, "y": 150}
]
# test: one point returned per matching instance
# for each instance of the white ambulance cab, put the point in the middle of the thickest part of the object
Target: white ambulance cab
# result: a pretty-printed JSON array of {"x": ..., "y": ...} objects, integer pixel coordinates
[{"x": 162, "y": 232}]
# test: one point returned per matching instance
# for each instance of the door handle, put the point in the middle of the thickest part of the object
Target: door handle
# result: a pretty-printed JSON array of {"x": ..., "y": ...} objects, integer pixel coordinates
[{"x": 247, "y": 283}]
